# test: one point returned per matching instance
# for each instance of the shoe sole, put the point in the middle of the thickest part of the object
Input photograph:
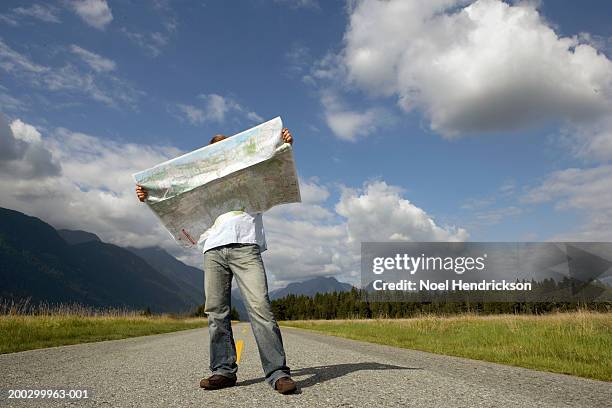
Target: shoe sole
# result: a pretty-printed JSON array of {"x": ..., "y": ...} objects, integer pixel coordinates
[
  {"x": 289, "y": 391},
  {"x": 213, "y": 388}
]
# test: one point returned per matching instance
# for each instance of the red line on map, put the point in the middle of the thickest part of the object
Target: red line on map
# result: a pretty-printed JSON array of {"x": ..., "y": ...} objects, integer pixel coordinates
[{"x": 188, "y": 236}]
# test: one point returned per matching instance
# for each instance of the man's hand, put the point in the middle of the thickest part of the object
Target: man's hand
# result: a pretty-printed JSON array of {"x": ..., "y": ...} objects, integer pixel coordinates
[
  {"x": 141, "y": 192},
  {"x": 286, "y": 136}
]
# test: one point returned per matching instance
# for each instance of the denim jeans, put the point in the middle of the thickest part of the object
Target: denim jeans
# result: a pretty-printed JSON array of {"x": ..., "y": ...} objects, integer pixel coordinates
[{"x": 244, "y": 261}]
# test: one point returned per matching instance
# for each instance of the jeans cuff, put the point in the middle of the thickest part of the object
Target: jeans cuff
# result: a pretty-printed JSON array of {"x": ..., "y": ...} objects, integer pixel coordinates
[
  {"x": 275, "y": 376},
  {"x": 225, "y": 374}
]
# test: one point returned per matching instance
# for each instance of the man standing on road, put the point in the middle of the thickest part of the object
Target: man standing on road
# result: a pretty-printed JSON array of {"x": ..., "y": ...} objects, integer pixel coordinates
[{"x": 232, "y": 247}]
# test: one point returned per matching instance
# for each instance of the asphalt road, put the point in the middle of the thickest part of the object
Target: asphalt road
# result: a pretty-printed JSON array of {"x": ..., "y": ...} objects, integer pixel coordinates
[{"x": 165, "y": 370}]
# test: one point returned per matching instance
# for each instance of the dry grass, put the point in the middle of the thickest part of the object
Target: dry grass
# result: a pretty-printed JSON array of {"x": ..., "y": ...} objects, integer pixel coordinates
[
  {"x": 578, "y": 343},
  {"x": 24, "y": 307},
  {"x": 26, "y": 326}
]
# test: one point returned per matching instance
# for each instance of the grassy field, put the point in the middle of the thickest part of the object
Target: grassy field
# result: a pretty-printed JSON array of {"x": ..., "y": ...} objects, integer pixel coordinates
[
  {"x": 23, "y": 332},
  {"x": 577, "y": 343}
]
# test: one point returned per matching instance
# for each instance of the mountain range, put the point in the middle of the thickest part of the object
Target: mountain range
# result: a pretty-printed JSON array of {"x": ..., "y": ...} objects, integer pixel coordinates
[
  {"x": 311, "y": 287},
  {"x": 63, "y": 266}
]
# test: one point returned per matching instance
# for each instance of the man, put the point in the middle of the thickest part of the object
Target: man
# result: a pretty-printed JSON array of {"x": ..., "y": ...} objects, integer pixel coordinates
[{"x": 232, "y": 247}]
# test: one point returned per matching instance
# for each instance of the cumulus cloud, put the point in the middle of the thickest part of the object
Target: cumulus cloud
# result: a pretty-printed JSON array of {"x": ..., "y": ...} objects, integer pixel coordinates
[
  {"x": 349, "y": 124},
  {"x": 22, "y": 153},
  {"x": 215, "y": 108},
  {"x": 81, "y": 195},
  {"x": 588, "y": 191},
  {"x": 306, "y": 239},
  {"x": 95, "y": 13},
  {"x": 11, "y": 148},
  {"x": 328, "y": 76},
  {"x": 97, "y": 62},
  {"x": 303, "y": 246},
  {"x": 474, "y": 66},
  {"x": 380, "y": 213}
]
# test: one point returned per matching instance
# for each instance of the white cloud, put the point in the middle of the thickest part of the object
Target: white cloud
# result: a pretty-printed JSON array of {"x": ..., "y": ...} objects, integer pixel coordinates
[
  {"x": 604, "y": 44},
  {"x": 312, "y": 206},
  {"x": 591, "y": 142},
  {"x": 313, "y": 193},
  {"x": 349, "y": 124},
  {"x": 12, "y": 61},
  {"x": 22, "y": 153},
  {"x": 474, "y": 66},
  {"x": 44, "y": 13},
  {"x": 25, "y": 132},
  {"x": 215, "y": 108},
  {"x": 95, "y": 13},
  {"x": 496, "y": 215},
  {"x": 191, "y": 113},
  {"x": 297, "y": 58},
  {"x": 304, "y": 240},
  {"x": 81, "y": 196},
  {"x": 301, "y": 246},
  {"x": 588, "y": 191},
  {"x": 380, "y": 213},
  {"x": 9, "y": 103},
  {"x": 307, "y": 4},
  {"x": 97, "y": 62},
  {"x": 9, "y": 19},
  {"x": 151, "y": 42},
  {"x": 98, "y": 84}
]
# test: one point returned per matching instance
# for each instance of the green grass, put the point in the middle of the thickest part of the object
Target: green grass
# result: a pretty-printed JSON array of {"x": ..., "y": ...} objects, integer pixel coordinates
[
  {"x": 27, "y": 332},
  {"x": 577, "y": 343}
]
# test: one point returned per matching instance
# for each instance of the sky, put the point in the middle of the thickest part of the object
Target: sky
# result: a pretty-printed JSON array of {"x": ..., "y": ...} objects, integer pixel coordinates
[{"x": 438, "y": 120}]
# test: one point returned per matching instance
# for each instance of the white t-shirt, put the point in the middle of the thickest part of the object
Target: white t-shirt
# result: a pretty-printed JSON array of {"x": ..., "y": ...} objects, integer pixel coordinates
[{"x": 234, "y": 227}]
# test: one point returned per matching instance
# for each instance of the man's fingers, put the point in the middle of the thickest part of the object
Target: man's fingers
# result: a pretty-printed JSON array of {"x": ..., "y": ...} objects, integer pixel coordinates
[
  {"x": 286, "y": 136},
  {"x": 141, "y": 193}
]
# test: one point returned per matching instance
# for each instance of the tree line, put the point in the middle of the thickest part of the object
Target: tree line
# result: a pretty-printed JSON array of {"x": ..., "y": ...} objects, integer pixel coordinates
[{"x": 354, "y": 304}]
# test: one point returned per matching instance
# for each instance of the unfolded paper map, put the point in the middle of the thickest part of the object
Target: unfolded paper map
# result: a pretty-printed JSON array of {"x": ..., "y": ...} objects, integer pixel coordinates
[{"x": 251, "y": 171}]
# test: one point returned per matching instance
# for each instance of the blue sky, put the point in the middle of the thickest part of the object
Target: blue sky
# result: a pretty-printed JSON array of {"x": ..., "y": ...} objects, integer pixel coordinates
[{"x": 168, "y": 75}]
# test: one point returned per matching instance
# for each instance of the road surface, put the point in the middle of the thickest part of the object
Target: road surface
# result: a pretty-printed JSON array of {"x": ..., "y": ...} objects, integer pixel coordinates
[{"x": 165, "y": 370}]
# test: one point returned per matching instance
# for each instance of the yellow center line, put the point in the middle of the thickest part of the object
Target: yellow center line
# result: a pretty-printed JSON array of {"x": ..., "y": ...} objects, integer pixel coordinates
[{"x": 239, "y": 345}]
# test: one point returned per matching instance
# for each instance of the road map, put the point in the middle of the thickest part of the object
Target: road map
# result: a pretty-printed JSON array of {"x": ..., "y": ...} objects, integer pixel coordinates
[{"x": 252, "y": 171}]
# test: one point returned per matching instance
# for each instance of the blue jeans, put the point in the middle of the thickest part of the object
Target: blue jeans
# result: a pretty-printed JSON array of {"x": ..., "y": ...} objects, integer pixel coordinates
[{"x": 244, "y": 261}]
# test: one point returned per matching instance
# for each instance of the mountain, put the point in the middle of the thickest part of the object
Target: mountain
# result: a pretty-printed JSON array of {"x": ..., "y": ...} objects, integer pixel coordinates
[
  {"x": 311, "y": 287},
  {"x": 57, "y": 266},
  {"x": 77, "y": 237},
  {"x": 188, "y": 278},
  {"x": 37, "y": 262}
]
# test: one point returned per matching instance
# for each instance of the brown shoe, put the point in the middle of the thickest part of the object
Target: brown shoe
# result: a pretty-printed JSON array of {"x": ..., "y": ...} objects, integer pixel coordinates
[
  {"x": 285, "y": 385},
  {"x": 216, "y": 382}
]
